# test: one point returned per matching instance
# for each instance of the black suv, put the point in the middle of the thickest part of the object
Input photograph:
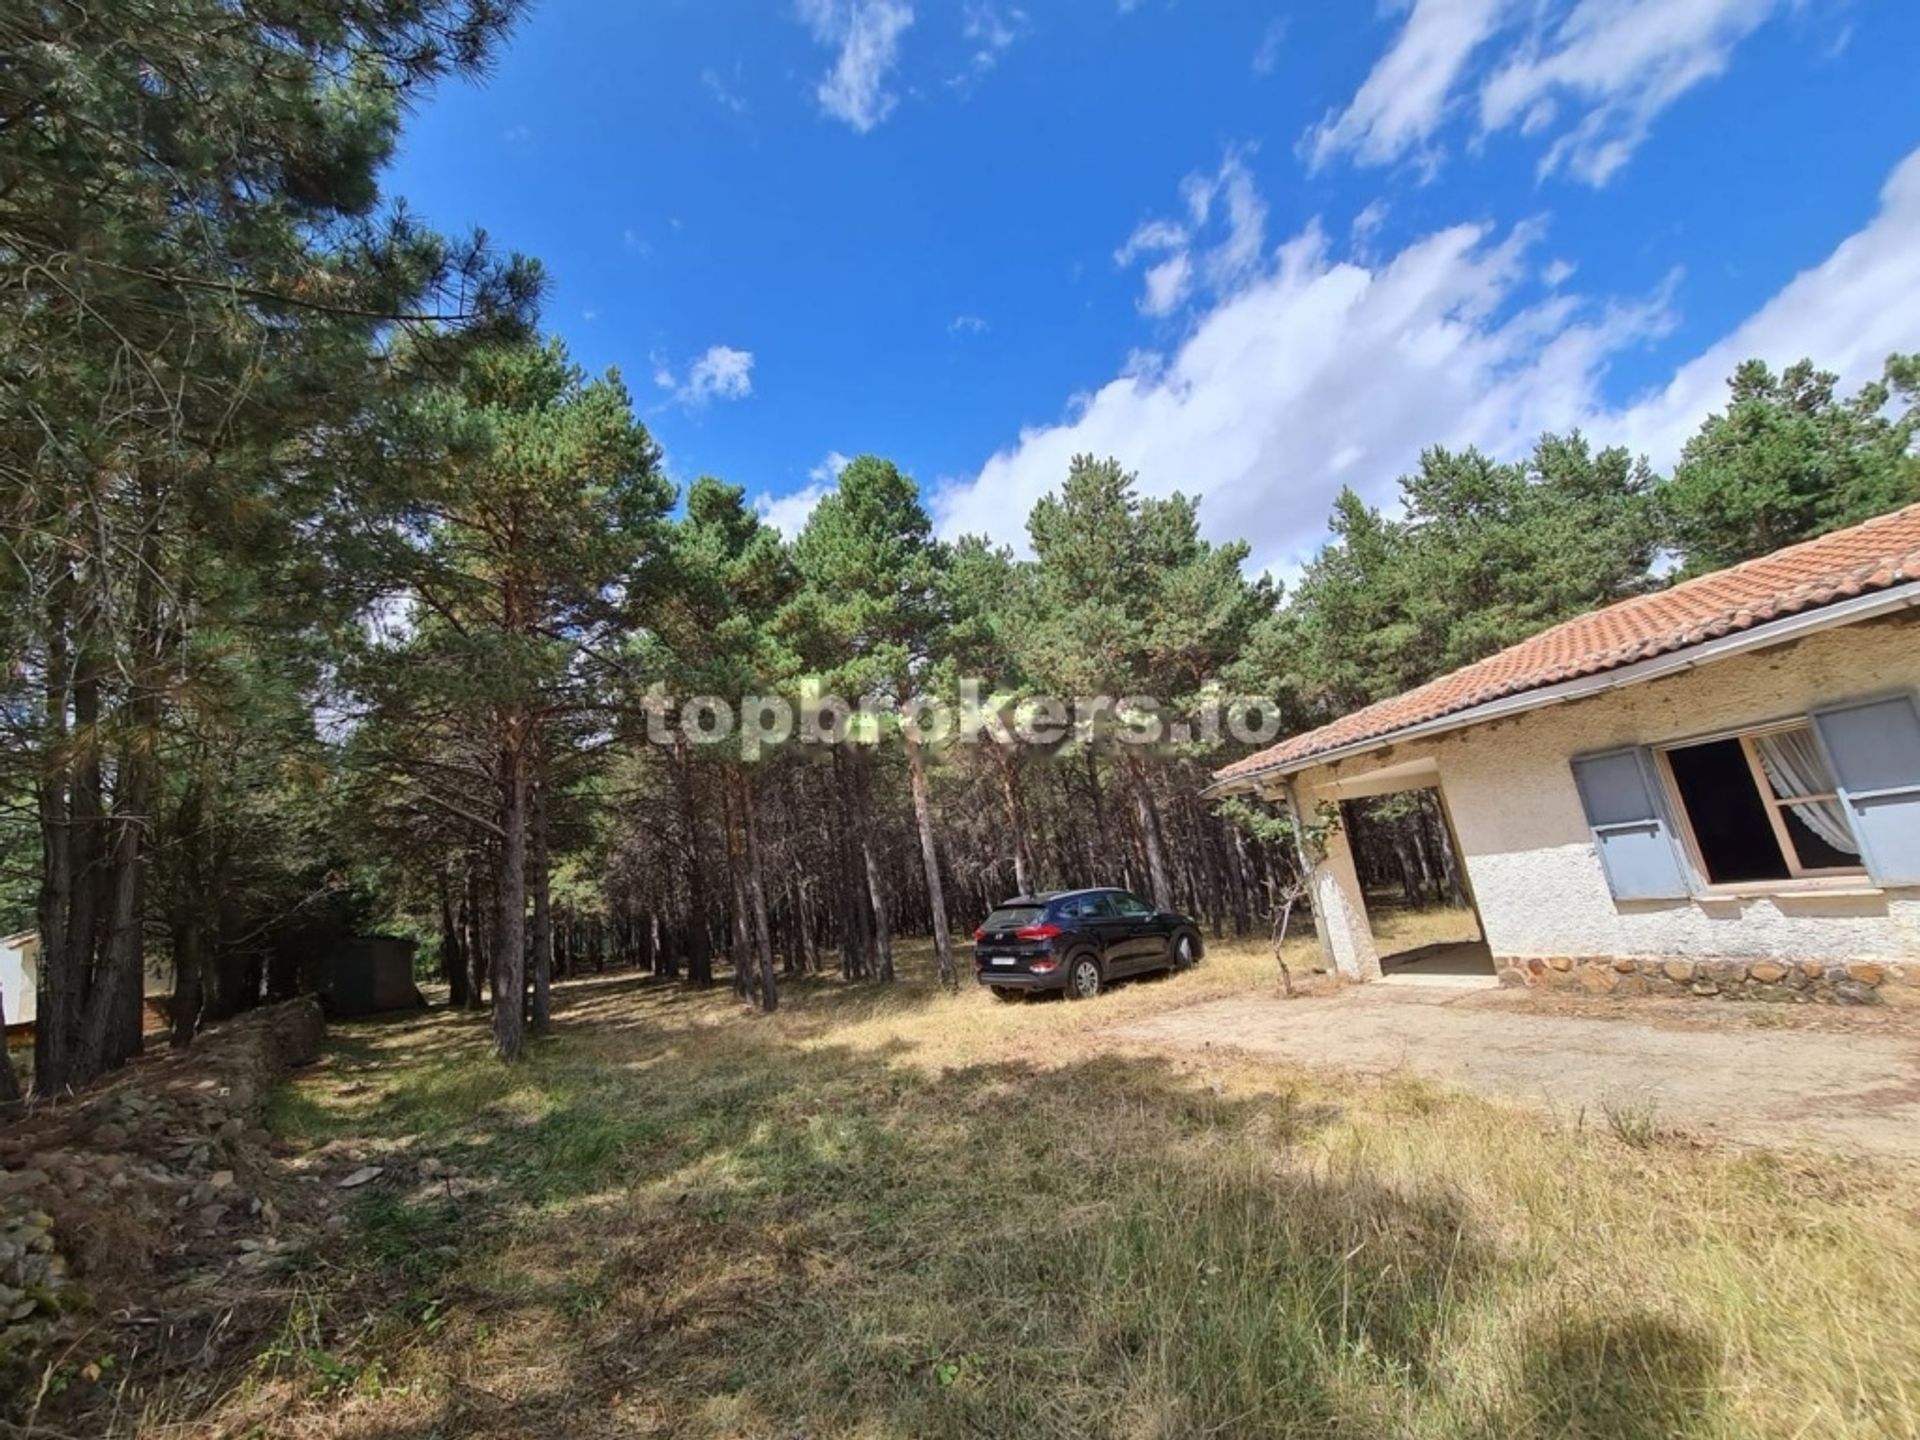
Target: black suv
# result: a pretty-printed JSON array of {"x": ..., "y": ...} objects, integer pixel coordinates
[{"x": 1076, "y": 941}]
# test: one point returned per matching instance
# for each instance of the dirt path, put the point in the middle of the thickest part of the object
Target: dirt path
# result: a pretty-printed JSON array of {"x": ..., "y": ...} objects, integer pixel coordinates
[{"x": 1851, "y": 1088}]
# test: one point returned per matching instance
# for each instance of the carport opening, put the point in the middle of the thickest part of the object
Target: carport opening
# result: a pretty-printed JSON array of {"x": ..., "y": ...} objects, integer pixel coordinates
[{"x": 1419, "y": 902}]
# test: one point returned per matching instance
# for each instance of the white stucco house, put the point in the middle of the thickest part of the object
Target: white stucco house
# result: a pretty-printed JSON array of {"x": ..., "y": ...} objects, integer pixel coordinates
[
  {"x": 19, "y": 975},
  {"x": 1715, "y": 788}
]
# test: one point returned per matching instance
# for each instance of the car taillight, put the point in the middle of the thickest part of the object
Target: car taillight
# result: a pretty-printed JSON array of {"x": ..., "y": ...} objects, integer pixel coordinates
[
  {"x": 1036, "y": 932},
  {"x": 1044, "y": 967},
  {"x": 981, "y": 933}
]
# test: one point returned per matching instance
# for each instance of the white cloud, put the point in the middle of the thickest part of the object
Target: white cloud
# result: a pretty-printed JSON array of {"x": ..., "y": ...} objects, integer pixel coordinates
[
  {"x": 722, "y": 373},
  {"x": 1168, "y": 284},
  {"x": 992, "y": 31},
  {"x": 1847, "y": 314},
  {"x": 1221, "y": 265},
  {"x": 788, "y": 513},
  {"x": 1402, "y": 101},
  {"x": 724, "y": 94},
  {"x": 1267, "y": 55},
  {"x": 1319, "y": 370},
  {"x": 1588, "y": 77},
  {"x": 1368, "y": 222},
  {"x": 1618, "y": 63},
  {"x": 968, "y": 325},
  {"x": 829, "y": 468},
  {"x": 867, "y": 34}
]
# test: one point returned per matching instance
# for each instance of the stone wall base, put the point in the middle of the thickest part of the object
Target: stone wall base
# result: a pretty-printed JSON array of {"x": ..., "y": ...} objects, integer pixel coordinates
[{"x": 1807, "y": 982}]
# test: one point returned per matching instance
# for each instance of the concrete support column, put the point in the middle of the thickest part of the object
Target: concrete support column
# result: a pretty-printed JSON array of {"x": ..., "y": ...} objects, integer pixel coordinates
[{"x": 1341, "y": 909}]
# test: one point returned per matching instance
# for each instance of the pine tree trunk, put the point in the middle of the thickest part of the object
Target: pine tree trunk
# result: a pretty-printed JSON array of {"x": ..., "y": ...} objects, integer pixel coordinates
[
  {"x": 187, "y": 973},
  {"x": 453, "y": 959},
  {"x": 930, "y": 857},
  {"x": 740, "y": 926},
  {"x": 57, "y": 994},
  {"x": 510, "y": 927},
  {"x": 542, "y": 915},
  {"x": 1150, "y": 834},
  {"x": 757, "y": 895},
  {"x": 878, "y": 895},
  {"x": 478, "y": 968},
  {"x": 699, "y": 954},
  {"x": 1016, "y": 822}
]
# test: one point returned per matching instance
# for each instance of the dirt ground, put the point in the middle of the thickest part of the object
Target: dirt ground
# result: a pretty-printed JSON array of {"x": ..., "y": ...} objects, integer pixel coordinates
[{"x": 1841, "y": 1081}]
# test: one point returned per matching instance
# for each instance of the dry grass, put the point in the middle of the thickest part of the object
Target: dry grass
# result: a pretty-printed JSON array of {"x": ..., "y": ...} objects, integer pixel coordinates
[{"x": 897, "y": 1212}]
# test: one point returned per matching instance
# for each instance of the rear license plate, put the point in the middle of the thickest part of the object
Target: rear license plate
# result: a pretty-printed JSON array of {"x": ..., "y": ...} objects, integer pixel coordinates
[{"x": 1000, "y": 960}]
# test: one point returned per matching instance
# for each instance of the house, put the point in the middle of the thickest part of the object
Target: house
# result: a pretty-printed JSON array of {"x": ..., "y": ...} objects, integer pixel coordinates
[
  {"x": 20, "y": 978},
  {"x": 1715, "y": 788}
]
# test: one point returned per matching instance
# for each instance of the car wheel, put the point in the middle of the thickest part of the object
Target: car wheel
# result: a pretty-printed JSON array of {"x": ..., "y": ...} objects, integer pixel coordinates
[
  {"x": 1083, "y": 978},
  {"x": 1005, "y": 994},
  {"x": 1186, "y": 954}
]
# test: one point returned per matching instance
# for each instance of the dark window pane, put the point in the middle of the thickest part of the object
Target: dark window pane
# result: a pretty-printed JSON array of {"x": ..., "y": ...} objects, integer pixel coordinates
[
  {"x": 1815, "y": 853},
  {"x": 1729, "y": 818},
  {"x": 1012, "y": 917}
]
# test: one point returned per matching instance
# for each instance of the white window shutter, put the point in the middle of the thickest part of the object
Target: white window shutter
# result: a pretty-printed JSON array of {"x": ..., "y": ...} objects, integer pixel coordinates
[
  {"x": 1873, "y": 750},
  {"x": 1629, "y": 824}
]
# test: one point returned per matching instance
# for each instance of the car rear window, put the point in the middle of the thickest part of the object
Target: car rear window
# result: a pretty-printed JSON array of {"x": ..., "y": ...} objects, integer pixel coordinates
[{"x": 1012, "y": 917}]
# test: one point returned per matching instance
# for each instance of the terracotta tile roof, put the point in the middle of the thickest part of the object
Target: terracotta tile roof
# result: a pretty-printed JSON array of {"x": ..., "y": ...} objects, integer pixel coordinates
[{"x": 1874, "y": 556}]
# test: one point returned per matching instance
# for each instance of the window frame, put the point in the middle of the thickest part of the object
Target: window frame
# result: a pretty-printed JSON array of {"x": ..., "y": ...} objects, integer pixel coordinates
[{"x": 1799, "y": 876}]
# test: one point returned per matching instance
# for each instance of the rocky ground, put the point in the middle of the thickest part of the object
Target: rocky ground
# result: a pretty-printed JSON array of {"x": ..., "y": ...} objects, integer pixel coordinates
[{"x": 131, "y": 1218}]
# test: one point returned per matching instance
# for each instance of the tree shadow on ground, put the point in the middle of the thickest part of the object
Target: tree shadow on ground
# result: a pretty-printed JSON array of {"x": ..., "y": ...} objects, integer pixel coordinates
[
  {"x": 696, "y": 1228},
  {"x": 1633, "y": 1377}
]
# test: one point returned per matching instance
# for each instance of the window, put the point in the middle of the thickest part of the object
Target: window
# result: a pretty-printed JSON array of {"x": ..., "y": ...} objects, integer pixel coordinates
[
  {"x": 1131, "y": 906},
  {"x": 1833, "y": 795},
  {"x": 1012, "y": 917},
  {"x": 1761, "y": 806}
]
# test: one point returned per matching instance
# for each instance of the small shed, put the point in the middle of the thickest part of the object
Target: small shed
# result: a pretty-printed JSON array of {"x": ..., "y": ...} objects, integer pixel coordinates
[{"x": 371, "y": 975}]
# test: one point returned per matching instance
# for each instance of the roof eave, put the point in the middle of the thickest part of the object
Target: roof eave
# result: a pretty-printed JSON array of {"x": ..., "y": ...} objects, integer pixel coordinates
[{"x": 1757, "y": 637}]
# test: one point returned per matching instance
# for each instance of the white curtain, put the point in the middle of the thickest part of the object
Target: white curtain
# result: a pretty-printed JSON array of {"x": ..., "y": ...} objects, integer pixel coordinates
[{"x": 1793, "y": 764}]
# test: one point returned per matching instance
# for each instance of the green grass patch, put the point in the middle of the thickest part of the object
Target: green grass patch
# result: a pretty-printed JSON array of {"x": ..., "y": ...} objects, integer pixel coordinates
[{"x": 915, "y": 1215}]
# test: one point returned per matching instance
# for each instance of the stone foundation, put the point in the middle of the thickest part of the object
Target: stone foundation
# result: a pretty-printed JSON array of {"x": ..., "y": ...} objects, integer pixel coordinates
[{"x": 1806, "y": 982}]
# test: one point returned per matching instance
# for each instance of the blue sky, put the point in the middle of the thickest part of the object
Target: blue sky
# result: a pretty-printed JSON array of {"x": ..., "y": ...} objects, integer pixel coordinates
[{"x": 1257, "y": 251}]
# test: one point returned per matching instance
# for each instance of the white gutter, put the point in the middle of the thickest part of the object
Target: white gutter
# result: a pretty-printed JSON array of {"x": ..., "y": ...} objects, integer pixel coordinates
[{"x": 1758, "y": 637}]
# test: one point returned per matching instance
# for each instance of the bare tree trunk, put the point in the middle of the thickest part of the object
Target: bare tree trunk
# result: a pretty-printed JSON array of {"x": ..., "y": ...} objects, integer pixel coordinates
[
  {"x": 699, "y": 955},
  {"x": 453, "y": 959},
  {"x": 542, "y": 914},
  {"x": 187, "y": 972},
  {"x": 510, "y": 928},
  {"x": 478, "y": 967},
  {"x": 757, "y": 894},
  {"x": 1150, "y": 833},
  {"x": 740, "y": 925},
  {"x": 930, "y": 857},
  {"x": 1016, "y": 821},
  {"x": 57, "y": 996},
  {"x": 877, "y": 891}
]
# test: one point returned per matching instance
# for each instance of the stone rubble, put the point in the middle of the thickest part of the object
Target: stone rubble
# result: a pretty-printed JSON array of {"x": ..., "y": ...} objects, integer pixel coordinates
[{"x": 162, "y": 1163}]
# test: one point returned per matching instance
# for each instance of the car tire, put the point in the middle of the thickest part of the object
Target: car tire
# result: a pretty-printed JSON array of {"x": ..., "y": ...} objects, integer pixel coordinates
[
  {"x": 1186, "y": 951},
  {"x": 1084, "y": 980},
  {"x": 1006, "y": 994}
]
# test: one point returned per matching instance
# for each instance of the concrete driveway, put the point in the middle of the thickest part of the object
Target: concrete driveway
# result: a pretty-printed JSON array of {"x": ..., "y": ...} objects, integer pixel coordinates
[{"x": 1837, "y": 1080}]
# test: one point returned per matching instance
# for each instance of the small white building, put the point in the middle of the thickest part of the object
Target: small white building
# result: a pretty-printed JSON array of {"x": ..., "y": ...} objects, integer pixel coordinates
[
  {"x": 19, "y": 976},
  {"x": 1715, "y": 788}
]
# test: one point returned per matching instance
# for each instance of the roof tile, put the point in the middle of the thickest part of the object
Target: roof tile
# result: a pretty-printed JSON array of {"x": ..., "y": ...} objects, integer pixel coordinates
[{"x": 1873, "y": 556}]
